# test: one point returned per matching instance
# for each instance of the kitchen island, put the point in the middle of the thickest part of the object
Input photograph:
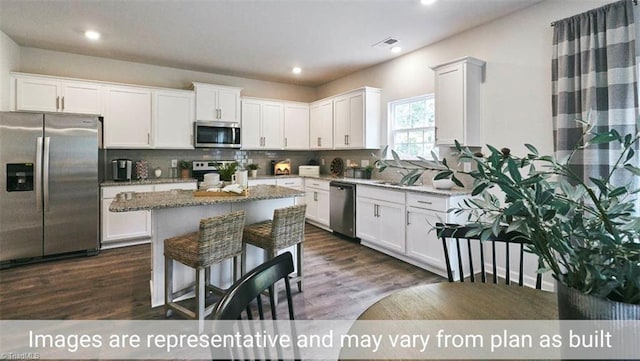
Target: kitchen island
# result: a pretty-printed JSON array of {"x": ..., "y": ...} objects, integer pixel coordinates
[{"x": 177, "y": 212}]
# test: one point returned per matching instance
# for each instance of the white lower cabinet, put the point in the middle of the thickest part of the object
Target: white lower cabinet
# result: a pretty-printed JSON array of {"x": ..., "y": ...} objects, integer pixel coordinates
[
  {"x": 317, "y": 200},
  {"x": 266, "y": 181},
  {"x": 295, "y": 183},
  {"x": 380, "y": 217},
  {"x": 120, "y": 229},
  {"x": 400, "y": 224}
]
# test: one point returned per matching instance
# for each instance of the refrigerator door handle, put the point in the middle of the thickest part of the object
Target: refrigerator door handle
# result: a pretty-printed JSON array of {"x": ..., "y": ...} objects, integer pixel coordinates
[
  {"x": 38, "y": 174},
  {"x": 45, "y": 175}
]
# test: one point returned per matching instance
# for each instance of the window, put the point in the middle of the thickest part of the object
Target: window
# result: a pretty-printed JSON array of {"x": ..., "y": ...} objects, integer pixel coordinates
[{"x": 412, "y": 127}]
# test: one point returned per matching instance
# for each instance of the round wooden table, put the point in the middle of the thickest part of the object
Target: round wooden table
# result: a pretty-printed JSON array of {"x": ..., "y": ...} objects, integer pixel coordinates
[
  {"x": 465, "y": 301},
  {"x": 462, "y": 301}
]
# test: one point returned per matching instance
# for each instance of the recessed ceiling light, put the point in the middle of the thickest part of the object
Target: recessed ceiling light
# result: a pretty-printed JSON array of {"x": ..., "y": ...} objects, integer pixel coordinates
[
  {"x": 92, "y": 35},
  {"x": 396, "y": 49},
  {"x": 427, "y": 2},
  {"x": 296, "y": 70}
]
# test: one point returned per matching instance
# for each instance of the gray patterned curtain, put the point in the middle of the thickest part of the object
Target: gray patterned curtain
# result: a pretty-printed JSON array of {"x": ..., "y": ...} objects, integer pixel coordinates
[{"x": 594, "y": 78}]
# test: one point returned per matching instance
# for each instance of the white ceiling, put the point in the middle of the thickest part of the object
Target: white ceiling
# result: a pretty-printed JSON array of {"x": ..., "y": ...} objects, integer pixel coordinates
[{"x": 254, "y": 39}]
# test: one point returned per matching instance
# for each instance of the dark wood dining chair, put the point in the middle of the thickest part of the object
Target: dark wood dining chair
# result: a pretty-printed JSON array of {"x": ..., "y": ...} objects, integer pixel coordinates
[
  {"x": 245, "y": 296},
  {"x": 240, "y": 295},
  {"x": 463, "y": 238}
]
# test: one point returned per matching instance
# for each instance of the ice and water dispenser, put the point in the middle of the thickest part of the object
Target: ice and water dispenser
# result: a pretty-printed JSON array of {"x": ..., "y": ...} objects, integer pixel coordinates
[{"x": 19, "y": 177}]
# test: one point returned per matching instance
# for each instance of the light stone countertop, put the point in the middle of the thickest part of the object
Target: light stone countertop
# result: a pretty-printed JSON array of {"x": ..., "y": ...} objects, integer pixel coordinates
[
  {"x": 136, "y": 201},
  {"x": 139, "y": 182}
]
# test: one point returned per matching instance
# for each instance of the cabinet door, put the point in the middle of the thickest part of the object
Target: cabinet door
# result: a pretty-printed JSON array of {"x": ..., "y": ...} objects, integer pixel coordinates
[
  {"x": 127, "y": 121},
  {"x": 324, "y": 208},
  {"x": 450, "y": 105},
  {"x": 229, "y": 105},
  {"x": 355, "y": 136},
  {"x": 251, "y": 137},
  {"x": 206, "y": 103},
  {"x": 119, "y": 226},
  {"x": 84, "y": 98},
  {"x": 391, "y": 223},
  {"x": 42, "y": 95},
  {"x": 321, "y": 125},
  {"x": 310, "y": 198},
  {"x": 423, "y": 243},
  {"x": 341, "y": 122},
  {"x": 296, "y": 126},
  {"x": 173, "y": 120},
  {"x": 367, "y": 224},
  {"x": 272, "y": 125}
]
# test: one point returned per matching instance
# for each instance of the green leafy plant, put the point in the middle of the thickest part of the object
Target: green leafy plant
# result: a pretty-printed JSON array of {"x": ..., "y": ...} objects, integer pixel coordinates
[
  {"x": 227, "y": 170},
  {"x": 587, "y": 232},
  {"x": 252, "y": 166},
  {"x": 185, "y": 164}
]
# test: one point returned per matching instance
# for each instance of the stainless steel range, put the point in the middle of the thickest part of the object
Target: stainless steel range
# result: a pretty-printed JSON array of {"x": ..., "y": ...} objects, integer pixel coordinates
[{"x": 202, "y": 167}]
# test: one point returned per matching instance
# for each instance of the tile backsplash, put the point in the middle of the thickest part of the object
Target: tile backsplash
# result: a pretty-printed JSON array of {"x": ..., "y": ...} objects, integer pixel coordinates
[{"x": 161, "y": 158}]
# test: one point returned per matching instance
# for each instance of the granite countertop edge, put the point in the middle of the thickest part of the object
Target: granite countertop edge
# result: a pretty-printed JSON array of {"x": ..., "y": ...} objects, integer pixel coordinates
[{"x": 137, "y": 201}]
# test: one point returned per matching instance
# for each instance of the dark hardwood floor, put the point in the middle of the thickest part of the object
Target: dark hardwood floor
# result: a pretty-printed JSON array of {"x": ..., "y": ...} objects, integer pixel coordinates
[{"x": 342, "y": 279}]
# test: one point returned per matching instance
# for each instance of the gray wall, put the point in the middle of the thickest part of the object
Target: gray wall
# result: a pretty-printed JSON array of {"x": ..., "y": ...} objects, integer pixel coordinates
[
  {"x": 516, "y": 104},
  {"x": 48, "y": 62}
]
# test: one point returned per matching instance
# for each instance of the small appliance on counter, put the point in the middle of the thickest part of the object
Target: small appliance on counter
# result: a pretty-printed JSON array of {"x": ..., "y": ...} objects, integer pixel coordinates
[
  {"x": 282, "y": 168},
  {"x": 121, "y": 169},
  {"x": 309, "y": 171}
]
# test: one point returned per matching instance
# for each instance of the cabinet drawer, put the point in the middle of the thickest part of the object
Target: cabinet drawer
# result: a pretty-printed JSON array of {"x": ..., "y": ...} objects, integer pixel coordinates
[
  {"x": 110, "y": 192},
  {"x": 290, "y": 182},
  {"x": 172, "y": 186},
  {"x": 381, "y": 194},
  {"x": 317, "y": 184},
  {"x": 427, "y": 201}
]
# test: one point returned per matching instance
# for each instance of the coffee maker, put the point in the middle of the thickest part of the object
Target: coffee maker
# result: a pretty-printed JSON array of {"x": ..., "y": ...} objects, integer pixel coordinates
[{"x": 121, "y": 169}]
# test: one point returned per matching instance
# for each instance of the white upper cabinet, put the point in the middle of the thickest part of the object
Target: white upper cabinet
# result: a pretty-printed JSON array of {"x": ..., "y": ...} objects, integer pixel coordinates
[
  {"x": 356, "y": 119},
  {"x": 173, "y": 118},
  {"x": 296, "y": 126},
  {"x": 48, "y": 94},
  {"x": 217, "y": 103},
  {"x": 458, "y": 102},
  {"x": 321, "y": 124},
  {"x": 262, "y": 124},
  {"x": 127, "y": 122}
]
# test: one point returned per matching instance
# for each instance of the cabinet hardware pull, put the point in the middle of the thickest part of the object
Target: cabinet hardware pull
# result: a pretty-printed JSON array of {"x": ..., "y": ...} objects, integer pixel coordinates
[
  {"x": 57, "y": 103},
  {"x": 425, "y": 202},
  {"x": 319, "y": 142},
  {"x": 62, "y": 106},
  {"x": 345, "y": 140},
  {"x": 315, "y": 196},
  {"x": 285, "y": 141},
  {"x": 408, "y": 218},
  {"x": 148, "y": 138},
  {"x": 348, "y": 139}
]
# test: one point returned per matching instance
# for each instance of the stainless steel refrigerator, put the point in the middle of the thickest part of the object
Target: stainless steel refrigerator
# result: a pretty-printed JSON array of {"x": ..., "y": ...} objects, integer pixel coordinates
[{"x": 49, "y": 185}]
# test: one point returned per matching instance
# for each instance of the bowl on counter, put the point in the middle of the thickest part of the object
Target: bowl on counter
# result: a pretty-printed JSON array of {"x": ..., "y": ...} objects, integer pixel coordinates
[{"x": 442, "y": 183}]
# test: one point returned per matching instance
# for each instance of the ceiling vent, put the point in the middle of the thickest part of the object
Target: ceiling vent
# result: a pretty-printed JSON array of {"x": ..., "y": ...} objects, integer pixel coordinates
[{"x": 387, "y": 43}]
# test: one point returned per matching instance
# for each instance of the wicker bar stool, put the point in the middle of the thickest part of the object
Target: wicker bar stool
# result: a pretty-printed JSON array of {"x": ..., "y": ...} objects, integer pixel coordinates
[
  {"x": 285, "y": 230},
  {"x": 219, "y": 238}
]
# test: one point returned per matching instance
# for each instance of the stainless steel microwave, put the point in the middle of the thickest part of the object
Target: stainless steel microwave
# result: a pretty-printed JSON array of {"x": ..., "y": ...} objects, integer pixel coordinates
[{"x": 216, "y": 135}]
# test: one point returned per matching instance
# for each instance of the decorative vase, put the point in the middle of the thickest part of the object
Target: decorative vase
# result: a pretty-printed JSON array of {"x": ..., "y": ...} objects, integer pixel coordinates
[
  {"x": 185, "y": 173},
  {"x": 575, "y": 305},
  {"x": 254, "y": 173}
]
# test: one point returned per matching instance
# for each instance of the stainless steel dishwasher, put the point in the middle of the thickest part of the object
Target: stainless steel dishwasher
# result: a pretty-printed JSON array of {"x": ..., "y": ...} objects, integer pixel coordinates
[{"x": 342, "y": 217}]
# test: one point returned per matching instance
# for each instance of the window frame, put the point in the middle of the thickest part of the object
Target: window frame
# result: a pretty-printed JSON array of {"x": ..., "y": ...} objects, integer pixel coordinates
[{"x": 392, "y": 131}]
